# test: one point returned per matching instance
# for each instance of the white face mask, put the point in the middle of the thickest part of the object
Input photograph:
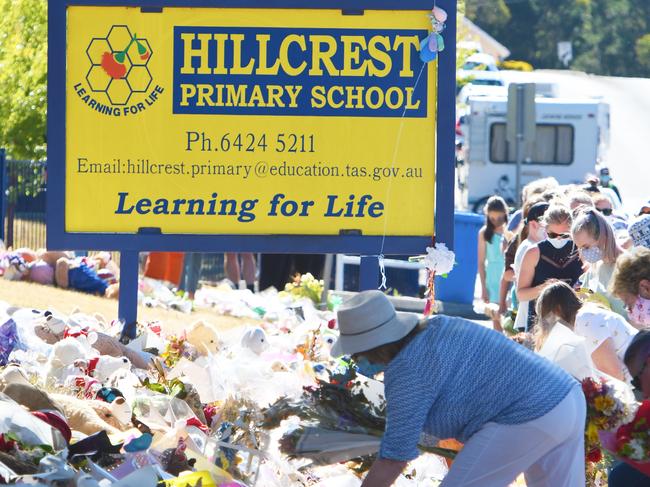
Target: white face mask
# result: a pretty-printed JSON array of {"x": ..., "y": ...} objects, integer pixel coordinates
[
  {"x": 591, "y": 255},
  {"x": 558, "y": 243}
]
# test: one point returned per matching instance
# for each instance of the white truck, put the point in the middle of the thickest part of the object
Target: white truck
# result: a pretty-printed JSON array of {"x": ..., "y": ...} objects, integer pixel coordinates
[{"x": 571, "y": 140}]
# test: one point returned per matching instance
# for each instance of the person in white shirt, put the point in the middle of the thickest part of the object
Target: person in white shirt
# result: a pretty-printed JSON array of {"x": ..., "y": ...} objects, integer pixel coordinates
[
  {"x": 536, "y": 233},
  {"x": 607, "y": 334}
]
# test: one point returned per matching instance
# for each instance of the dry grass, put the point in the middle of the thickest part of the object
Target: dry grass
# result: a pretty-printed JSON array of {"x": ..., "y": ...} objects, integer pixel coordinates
[{"x": 31, "y": 295}]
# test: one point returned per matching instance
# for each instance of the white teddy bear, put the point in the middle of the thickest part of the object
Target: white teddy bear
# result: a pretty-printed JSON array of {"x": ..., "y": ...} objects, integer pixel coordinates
[
  {"x": 103, "y": 367},
  {"x": 63, "y": 356},
  {"x": 72, "y": 357},
  {"x": 255, "y": 340}
]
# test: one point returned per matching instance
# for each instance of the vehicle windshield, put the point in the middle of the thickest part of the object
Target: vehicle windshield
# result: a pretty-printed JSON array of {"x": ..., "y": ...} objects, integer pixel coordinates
[{"x": 487, "y": 82}]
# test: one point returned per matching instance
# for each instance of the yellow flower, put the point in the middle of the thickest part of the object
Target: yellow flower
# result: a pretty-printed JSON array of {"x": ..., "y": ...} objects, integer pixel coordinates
[
  {"x": 604, "y": 403},
  {"x": 592, "y": 433}
]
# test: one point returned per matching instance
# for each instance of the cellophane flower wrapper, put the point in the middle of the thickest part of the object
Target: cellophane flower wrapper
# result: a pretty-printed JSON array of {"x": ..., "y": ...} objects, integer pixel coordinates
[
  {"x": 338, "y": 423},
  {"x": 608, "y": 407},
  {"x": 631, "y": 441},
  {"x": 8, "y": 340}
]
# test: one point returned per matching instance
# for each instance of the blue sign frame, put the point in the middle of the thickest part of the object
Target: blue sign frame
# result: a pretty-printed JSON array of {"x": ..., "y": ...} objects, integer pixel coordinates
[
  {"x": 130, "y": 245},
  {"x": 58, "y": 238}
]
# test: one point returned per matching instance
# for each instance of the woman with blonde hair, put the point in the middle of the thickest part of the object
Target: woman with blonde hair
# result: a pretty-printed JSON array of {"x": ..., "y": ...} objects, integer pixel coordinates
[
  {"x": 555, "y": 258},
  {"x": 631, "y": 283},
  {"x": 596, "y": 242},
  {"x": 607, "y": 335}
]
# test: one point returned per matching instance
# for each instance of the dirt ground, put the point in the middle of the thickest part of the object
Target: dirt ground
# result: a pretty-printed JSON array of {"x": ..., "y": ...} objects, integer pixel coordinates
[{"x": 31, "y": 295}]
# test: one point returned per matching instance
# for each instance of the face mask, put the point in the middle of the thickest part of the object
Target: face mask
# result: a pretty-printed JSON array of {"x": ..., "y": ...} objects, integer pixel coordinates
[
  {"x": 640, "y": 312},
  {"x": 558, "y": 243},
  {"x": 591, "y": 255},
  {"x": 369, "y": 369},
  {"x": 605, "y": 179}
]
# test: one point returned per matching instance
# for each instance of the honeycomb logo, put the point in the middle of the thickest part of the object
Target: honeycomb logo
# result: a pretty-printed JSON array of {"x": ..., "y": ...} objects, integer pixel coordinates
[{"x": 119, "y": 65}]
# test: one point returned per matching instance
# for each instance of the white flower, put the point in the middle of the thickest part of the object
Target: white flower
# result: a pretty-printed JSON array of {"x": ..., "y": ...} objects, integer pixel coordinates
[
  {"x": 637, "y": 450},
  {"x": 439, "y": 259}
]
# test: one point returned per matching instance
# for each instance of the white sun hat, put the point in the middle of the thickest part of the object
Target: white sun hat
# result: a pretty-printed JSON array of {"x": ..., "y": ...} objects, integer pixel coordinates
[{"x": 369, "y": 320}]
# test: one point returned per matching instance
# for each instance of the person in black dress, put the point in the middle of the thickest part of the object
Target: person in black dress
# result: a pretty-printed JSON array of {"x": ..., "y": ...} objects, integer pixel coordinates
[{"x": 555, "y": 258}]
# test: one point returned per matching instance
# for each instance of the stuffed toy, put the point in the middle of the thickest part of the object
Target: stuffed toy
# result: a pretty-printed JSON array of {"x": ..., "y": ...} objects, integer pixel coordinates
[
  {"x": 88, "y": 416},
  {"x": 63, "y": 356},
  {"x": 52, "y": 331},
  {"x": 174, "y": 460},
  {"x": 203, "y": 338},
  {"x": 14, "y": 383},
  {"x": 121, "y": 410},
  {"x": 102, "y": 367},
  {"x": 255, "y": 340}
]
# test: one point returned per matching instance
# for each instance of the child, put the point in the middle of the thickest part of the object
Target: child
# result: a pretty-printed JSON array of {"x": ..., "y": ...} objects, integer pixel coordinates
[{"x": 491, "y": 240}]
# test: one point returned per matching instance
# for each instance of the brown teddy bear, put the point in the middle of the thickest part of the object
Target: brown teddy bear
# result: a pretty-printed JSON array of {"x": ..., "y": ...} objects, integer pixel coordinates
[{"x": 88, "y": 416}]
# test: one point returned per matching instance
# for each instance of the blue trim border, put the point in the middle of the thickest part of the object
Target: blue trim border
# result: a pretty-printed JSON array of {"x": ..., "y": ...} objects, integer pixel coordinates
[{"x": 58, "y": 238}]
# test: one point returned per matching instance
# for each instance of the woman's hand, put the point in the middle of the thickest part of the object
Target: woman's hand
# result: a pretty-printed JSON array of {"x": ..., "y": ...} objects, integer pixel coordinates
[{"x": 383, "y": 473}]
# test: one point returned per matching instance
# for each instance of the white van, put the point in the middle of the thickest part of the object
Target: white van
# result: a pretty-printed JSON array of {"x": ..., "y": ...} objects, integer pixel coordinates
[{"x": 572, "y": 139}]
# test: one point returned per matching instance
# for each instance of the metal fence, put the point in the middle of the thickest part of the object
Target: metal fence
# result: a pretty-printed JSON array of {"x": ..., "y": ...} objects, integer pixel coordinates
[
  {"x": 24, "y": 185},
  {"x": 22, "y": 207}
]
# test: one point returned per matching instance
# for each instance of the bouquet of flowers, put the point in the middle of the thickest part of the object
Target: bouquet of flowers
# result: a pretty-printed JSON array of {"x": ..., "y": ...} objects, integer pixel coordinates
[
  {"x": 606, "y": 411},
  {"x": 631, "y": 441},
  {"x": 438, "y": 260},
  {"x": 305, "y": 286},
  {"x": 338, "y": 423}
]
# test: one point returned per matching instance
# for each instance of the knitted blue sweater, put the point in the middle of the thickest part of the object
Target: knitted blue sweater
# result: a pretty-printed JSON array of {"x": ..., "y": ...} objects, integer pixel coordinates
[{"x": 455, "y": 376}]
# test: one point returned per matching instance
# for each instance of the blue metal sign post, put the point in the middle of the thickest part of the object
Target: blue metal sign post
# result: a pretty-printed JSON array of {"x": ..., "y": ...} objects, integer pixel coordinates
[{"x": 146, "y": 239}]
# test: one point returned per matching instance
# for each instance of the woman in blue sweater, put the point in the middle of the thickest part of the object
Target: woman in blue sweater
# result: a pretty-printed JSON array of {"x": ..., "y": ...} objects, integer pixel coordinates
[{"x": 451, "y": 378}]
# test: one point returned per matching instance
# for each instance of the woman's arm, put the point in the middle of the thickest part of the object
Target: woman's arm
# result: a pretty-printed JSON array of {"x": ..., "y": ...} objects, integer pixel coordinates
[
  {"x": 606, "y": 360},
  {"x": 383, "y": 473},
  {"x": 481, "y": 264},
  {"x": 525, "y": 291},
  {"x": 507, "y": 277}
]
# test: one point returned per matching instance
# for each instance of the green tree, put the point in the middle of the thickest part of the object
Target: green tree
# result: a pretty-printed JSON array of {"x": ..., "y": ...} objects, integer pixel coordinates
[
  {"x": 494, "y": 13},
  {"x": 23, "y": 77},
  {"x": 605, "y": 34},
  {"x": 642, "y": 50}
]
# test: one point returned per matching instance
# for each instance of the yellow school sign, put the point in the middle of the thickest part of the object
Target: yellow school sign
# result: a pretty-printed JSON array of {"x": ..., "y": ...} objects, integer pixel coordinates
[{"x": 248, "y": 121}]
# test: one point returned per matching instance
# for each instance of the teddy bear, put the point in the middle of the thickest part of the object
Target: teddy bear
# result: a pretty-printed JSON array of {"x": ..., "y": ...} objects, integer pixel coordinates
[
  {"x": 102, "y": 367},
  {"x": 88, "y": 416},
  {"x": 203, "y": 338},
  {"x": 73, "y": 357},
  {"x": 63, "y": 356},
  {"x": 255, "y": 340},
  {"x": 51, "y": 331}
]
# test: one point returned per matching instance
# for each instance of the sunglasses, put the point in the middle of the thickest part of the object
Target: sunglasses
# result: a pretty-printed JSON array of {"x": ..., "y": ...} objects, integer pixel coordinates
[
  {"x": 605, "y": 211},
  {"x": 557, "y": 235},
  {"x": 636, "y": 380}
]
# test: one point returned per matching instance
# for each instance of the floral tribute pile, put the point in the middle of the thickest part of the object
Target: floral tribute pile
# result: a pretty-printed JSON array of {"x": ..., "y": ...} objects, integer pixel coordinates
[
  {"x": 337, "y": 421},
  {"x": 260, "y": 404}
]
